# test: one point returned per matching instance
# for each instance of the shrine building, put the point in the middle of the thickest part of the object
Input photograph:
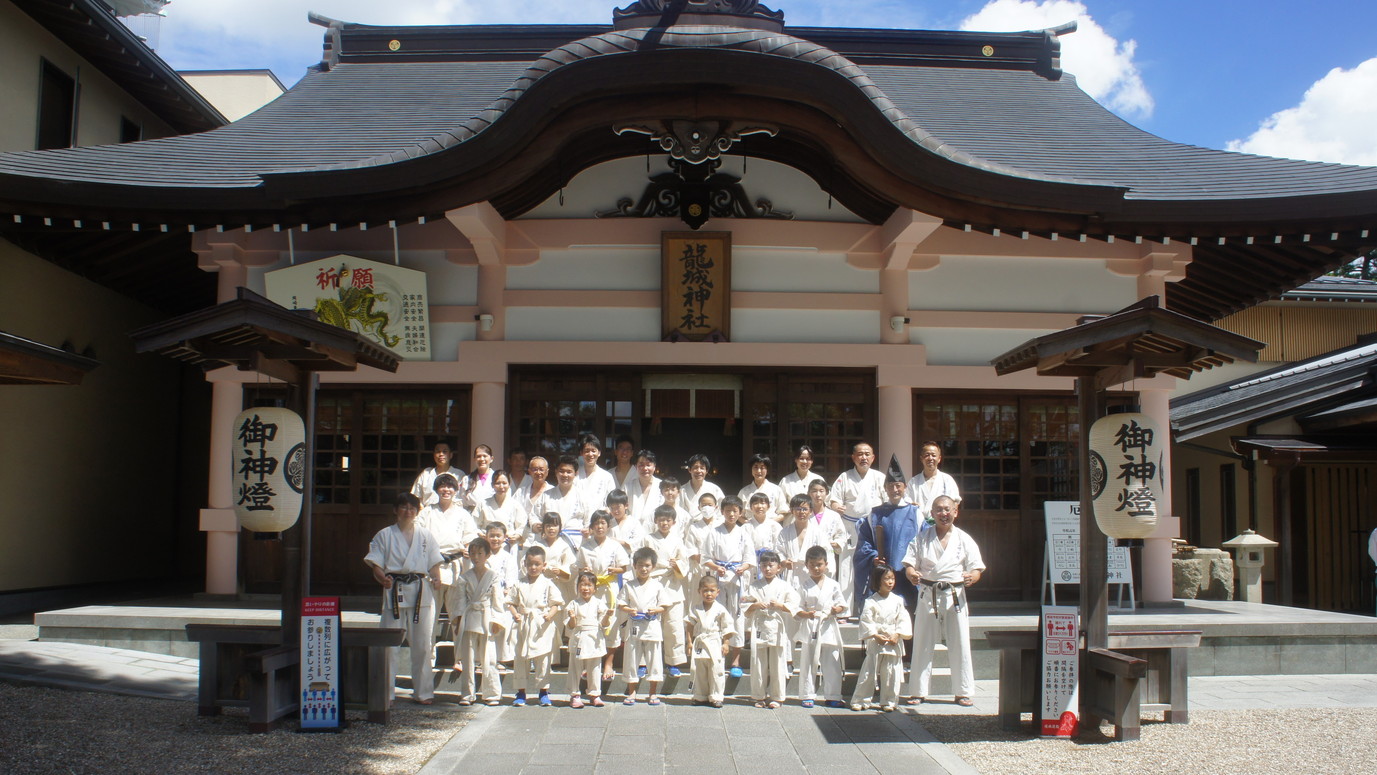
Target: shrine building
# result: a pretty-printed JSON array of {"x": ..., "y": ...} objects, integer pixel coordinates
[{"x": 696, "y": 225}]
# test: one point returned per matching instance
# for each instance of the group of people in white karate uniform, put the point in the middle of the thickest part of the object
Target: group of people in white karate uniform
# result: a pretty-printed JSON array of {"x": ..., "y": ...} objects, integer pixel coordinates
[{"x": 677, "y": 577}]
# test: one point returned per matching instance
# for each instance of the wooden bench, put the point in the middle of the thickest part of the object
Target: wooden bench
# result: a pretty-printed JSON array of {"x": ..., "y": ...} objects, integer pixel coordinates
[
  {"x": 245, "y": 666},
  {"x": 1159, "y": 685}
]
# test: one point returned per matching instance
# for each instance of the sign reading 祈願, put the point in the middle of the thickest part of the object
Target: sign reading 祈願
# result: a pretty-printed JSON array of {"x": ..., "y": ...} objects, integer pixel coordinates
[
  {"x": 1060, "y": 671},
  {"x": 383, "y": 302},
  {"x": 320, "y": 701},
  {"x": 696, "y": 284}
]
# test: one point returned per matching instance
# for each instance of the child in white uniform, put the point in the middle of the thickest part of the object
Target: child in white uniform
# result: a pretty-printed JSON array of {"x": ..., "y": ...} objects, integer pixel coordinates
[
  {"x": 641, "y": 603},
  {"x": 771, "y": 604},
  {"x": 534, "y": 604},
  {"x": 607, "y": 561},
  {"x": 818, "y": 633},
  {"x": 480, "y": 613},
  {"x": 884, "y": 623},
  {"x": 709, "y": 626},
  {"x": 671, "y": 569},
  {"x": 729, "y": 554},
  {"x": 588, "y": 618}
]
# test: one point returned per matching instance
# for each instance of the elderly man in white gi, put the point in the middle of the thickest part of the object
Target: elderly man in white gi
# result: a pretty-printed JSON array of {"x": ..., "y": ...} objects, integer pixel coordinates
[
  {"x": 405, "y": 559},
  {"x": 942, "y": 561}
]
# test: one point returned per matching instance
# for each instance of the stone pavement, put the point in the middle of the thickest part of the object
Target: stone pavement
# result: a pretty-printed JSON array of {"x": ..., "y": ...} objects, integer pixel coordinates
[{"x": 673, "y": 737}]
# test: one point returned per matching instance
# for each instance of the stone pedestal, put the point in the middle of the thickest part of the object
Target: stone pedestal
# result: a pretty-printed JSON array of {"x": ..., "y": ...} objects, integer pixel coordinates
[{"x": 1202, "y": 574}]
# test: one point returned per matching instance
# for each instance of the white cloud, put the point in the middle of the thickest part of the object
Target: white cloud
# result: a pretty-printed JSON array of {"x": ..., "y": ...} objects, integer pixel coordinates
[
  {"x": 1103, "y": 65},
  {"x": 1334, "y": 121}
]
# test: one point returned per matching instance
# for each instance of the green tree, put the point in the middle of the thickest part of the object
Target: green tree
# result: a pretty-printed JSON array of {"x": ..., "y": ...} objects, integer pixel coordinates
[{"x": 1363, "y": 267}]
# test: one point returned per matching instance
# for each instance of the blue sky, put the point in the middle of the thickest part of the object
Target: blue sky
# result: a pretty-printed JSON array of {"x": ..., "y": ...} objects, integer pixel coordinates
[{"x": 1206, "y": 72}]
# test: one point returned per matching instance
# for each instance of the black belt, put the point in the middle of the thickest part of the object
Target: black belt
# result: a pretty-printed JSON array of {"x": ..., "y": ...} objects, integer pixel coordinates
[
  {"x": 405, "y": 578},
  {"x": 946, "y": 586}
]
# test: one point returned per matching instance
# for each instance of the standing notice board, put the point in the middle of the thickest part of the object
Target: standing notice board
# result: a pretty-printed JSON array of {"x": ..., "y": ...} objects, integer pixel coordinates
[
  {"x": 320, "y": 700},
  {"x": 1062, "y": 562},
  {"x": 1060, "y": 671}
]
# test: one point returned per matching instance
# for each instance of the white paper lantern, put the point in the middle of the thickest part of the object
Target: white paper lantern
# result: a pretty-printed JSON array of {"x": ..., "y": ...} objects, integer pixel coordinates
[
  {"x": 1127, "y": 451},
  {"x": 269, "y": 468}
]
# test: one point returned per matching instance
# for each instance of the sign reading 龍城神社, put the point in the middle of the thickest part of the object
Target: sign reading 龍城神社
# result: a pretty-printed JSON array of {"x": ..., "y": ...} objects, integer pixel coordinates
[
  {"x": 383, "y": 302},
  {"x": 696, "y": 284}
]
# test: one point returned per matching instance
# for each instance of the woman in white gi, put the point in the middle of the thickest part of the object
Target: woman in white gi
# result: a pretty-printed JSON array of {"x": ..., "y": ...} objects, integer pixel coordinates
[
  {"x": 501, "y": 506},
  {"x": 477, "y": 486},
  {"x": 595, "y": 480},
  {"x": 796, "y": 481},
  {"x": 405, "y": 561},
  {"x": 942, "y": 562},
  {"x": 698, "y": 468}
]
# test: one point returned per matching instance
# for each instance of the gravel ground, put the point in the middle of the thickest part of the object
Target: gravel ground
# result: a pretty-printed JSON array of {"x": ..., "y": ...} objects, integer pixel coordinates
[
  {"x": 1234, "y": 742},
  {"x": 54, "y": 731}
]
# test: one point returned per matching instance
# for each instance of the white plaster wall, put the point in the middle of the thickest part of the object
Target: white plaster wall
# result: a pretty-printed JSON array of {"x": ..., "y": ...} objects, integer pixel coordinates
[
  {"x": 969, "y": 346},
  {"x": 617, "y": 269},
  {"x": 762, "y": 269},
  {"x": 829, "y": 326},
  {"x": 235, "y": 93},
  {"x": 600, "y": 187},
  {"x": 575, "y": 324},
  {"x": 445, "y": 339},
  {"x": 1004, "y": 283}
]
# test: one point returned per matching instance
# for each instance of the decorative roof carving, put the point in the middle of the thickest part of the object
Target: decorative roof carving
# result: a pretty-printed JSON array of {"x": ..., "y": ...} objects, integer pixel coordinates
[
  {"x": 695, "y": 141},
  {"x": 746, "y": 8},
  {"x": 694, "y": 193}
]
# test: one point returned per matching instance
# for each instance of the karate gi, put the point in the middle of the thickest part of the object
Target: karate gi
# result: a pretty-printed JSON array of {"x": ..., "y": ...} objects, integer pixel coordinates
[
  {"x": 883, "y": 662},
  {"x": 643, "y": 637},
  {"x": 792, "y": 547},
  {"x": 820, "y": 639},
  {"x": 595, "y": 486},
  {"x": 528, "y": 506},
  {"x": 572, "y": 508},
  {"x": 791, "y": 485},
  {"x": 671, "y": 569},
  {"x": 858, "y": 495},
  {"x": 942, "y": 611},
  {"x": 710, "y": 626},
  {"x": 507, "y": 567},
  {"x": 764, "y": 535},
  {"x": 644, "y": 500},
  {"x": 779, "y": 504},
  {"x": 415, "y": 600},
  {"x": 481, "y": 600},
  {"x": 508, "y": 512},
  {"x": 476, "y": 488},
  {"x": 587, "y": 642},
  {"x": 733, "y": 550},
  {"x": 900, "y": 526},
  {"x": 453, "y": 529},
  {"x": 532, "y": 601},
  {"x": 688, "y": 497},
  {"x": 832, "y": 524},
  {"x": 921, "y": 492},
  {"x": 770, "y": 637},
  {"x": 562, "y": 556},
  {"x": 597, "y": 558},
  {"x": 629, "y": 532},
  {"x": 424, "y": 486}
]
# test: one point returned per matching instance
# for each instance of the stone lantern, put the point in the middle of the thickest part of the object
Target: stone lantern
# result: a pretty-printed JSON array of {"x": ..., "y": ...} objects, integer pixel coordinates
[{"x": 1248, "y": 558}]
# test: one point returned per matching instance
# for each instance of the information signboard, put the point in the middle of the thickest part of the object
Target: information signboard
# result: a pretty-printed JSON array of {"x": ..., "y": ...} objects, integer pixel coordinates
[
  {"x": 320, "y": 701},
  {"x": 1064, "y": 546},
  {"x": 1060, "y": 671}
]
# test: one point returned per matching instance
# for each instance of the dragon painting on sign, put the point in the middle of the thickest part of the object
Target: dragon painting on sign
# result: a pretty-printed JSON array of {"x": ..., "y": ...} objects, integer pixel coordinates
[{"x": 353, "y": 310}]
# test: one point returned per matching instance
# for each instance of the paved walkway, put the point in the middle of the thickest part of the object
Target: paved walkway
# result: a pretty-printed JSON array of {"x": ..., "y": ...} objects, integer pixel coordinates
[{"x": 673, "y": 737}]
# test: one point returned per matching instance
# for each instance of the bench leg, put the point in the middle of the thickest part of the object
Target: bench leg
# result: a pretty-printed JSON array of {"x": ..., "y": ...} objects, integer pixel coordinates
[
  {"x": 1176, "y": 684},
  {"x": 1010, "y": 688}
]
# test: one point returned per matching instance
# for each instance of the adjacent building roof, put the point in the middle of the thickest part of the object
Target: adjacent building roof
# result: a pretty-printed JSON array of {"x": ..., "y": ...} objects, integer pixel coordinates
[
  {"x": 980, "y": 129},
  {"x": 1335, "y": 289},
  {"x": 1340, "y": 381},
  {"x": 91, "y": 29}
]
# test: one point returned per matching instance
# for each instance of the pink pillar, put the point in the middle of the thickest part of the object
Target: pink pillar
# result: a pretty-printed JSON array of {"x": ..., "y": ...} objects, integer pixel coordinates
[
  {"x": 488, "y": 417},
  {"x": 894, "y": 302},
  {"x": 1157, "y": 577},
  {"x": 218, "y": 521},
  {"x": 896, "y": 426}
]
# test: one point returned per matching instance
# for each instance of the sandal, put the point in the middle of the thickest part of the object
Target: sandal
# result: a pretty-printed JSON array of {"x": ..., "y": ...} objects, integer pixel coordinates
[
  {"x": 772, "y": 705},
  {"x": 965, "y": 702},
  {"x": 597, "y": 702},
  {"x": 467, "y": 700},
  {"x": 916, "y": 700},
  {"x": 760, "y": 704},
  {"x": 807, "y": 703},
  {"x": 576, "y": 701},
  {"x": 629, "y": 701},
  {"x": 653, "y": 700},
  {"x": 717, "y": 703}
]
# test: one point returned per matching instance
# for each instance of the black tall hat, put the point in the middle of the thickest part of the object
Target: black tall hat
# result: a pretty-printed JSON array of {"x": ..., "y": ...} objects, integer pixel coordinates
[{"x": 895, "y": 473}]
